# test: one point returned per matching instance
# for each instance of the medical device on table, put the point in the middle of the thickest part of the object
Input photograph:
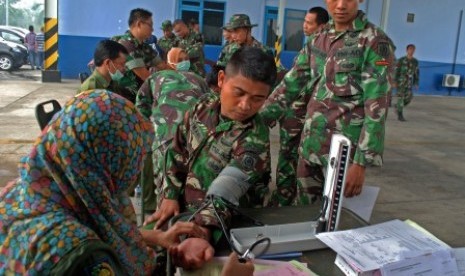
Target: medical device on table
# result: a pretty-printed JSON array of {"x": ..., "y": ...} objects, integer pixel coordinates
[{"x": 301, "y": 236}]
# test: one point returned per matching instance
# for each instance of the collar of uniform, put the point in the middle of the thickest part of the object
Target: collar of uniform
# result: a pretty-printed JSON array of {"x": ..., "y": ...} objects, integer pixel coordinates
[
  {"x": 100, "y": 79},
  {"x": 133, "y": 38}
]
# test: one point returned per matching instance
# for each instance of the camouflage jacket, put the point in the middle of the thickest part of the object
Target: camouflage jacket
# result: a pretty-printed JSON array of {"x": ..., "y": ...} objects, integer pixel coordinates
[
  {"x": 140, "y": 55},
  {"x": 230, "y": 48},
  {"x": 407, "y": 73},
  {"x": 193, "y": 45},
  {"x": 204, "y": 144},
  {"x": 166, "y": 43},
  {"x": 164, "y": 98},
  {"x": 348, "y": 75}
]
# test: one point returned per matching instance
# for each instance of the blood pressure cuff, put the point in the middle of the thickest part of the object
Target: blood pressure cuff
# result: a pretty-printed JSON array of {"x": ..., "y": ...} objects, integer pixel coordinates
[{"x": 231, "y": 184}]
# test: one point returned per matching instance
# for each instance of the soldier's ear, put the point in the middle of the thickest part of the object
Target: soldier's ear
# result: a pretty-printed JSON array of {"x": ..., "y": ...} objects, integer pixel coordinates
[{"x": 221, "y": 77}]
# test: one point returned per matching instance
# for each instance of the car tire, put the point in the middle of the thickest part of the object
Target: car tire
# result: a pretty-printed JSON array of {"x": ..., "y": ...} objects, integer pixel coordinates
[{"x": 6, "y": 63}]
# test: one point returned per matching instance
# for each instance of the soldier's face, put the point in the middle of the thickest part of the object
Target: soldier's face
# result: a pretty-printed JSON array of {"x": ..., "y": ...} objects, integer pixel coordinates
[
  {"x": 240, "y": 97},
  {"x": 180, "y": 30},
  {"x": 343, "y": 12},
  {"x": 168, "y": 32},
  {"x": 146, "y": 27},
  {"x": 239, "y": 35},
  {"x": 310, "y": 26}
]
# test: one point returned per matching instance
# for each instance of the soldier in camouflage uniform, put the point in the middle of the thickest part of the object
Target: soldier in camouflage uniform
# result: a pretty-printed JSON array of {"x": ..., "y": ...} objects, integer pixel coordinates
[
  {"x": 407, "y": 76},
  {"x": 109, "y": 59},
  {"x": 346, "y": 67},
  {"x": 192, "y": 43},
  {"x": 241, "y": 34},
  {"x": 141, "y": 56},
  {"x": 292, "y": 121},
  {"x": 163, "y": 98},
  {"x": 168, "y": 40},
  {"x": 221, "y": 147}
]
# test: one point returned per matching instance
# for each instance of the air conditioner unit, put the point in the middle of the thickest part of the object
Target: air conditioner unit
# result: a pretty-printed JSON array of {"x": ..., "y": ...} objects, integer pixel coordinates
[{"x": 450, "y": 80}]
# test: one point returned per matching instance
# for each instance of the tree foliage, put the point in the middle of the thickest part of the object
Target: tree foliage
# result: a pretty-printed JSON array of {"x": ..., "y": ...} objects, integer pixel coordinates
[{"x": 22, "y": 17}]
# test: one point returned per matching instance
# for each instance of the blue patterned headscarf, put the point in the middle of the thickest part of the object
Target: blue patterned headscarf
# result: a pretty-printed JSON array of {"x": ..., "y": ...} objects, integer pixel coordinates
[{"x": 72, "y": 188}]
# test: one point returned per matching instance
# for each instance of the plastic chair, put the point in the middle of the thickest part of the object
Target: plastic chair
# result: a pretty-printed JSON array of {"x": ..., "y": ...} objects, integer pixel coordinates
[
  {"x": 83, "y": 76},
  {"x": 45, "y": 114}
]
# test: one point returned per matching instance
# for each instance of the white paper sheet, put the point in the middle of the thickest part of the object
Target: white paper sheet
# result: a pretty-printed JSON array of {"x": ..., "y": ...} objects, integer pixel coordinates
[
  {"x": 363, "y": 204},
  {"x": 373, "y": 247}
]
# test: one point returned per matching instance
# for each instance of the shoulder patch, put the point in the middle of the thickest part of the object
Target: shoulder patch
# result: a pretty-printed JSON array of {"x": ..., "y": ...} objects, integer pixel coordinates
[{"x": 383, "y": 50}]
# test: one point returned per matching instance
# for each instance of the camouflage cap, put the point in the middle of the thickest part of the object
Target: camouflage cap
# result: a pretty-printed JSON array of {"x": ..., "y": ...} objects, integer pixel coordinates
[
  {"x": 239, "y": 21},
  {"x": 166, "y": 24}
]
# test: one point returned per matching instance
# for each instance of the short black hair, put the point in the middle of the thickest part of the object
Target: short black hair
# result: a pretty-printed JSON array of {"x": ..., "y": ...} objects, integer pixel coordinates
[
  {"x": 253, "y": 63},
  {"x": 138, "y": 14},
  {"x": 31, "y": 28},
  {"x": 411, "y": 45},
  {"x": 212, "y": 77},
  {"x": 322, "y": 16},
  {"x": 107, "y": 49},
  {"x": 178, "y": 21}
]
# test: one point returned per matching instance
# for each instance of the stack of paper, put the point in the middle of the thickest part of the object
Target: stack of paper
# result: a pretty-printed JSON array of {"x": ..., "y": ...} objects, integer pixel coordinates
[{"x": 390, "y": 248}]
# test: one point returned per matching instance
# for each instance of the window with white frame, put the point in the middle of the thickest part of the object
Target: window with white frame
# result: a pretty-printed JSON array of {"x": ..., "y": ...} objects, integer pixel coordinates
[{"x": 209, "y": 14}]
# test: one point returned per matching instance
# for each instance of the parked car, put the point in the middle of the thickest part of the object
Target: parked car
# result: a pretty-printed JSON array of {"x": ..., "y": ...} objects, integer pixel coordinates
[
  {"x": 12, "y": 55},
  {"x": 13, "y": 34}
]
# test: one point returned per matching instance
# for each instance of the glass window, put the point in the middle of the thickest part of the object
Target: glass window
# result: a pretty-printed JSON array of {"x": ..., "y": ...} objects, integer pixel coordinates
[
  {"x": 294, "y": 35},
  {"x": 212, "y": 23},
  {"x": 210, "y": 15}
]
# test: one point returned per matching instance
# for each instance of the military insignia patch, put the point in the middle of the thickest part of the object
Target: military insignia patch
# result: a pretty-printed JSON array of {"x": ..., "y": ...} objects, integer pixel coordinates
[
  {"x": 383, "y": 49},
  {"x": 248, "y": 162}
]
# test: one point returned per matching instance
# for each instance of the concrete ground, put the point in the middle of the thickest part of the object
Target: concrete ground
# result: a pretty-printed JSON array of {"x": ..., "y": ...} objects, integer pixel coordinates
[{"x": 423, "y": 177}]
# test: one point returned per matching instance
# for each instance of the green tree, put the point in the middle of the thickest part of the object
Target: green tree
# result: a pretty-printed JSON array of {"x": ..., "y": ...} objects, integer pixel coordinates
[{"x": 22, "y": 17}]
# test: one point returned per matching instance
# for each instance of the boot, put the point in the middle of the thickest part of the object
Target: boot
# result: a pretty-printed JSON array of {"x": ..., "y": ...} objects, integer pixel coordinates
[{"x": 400, "y": 116}]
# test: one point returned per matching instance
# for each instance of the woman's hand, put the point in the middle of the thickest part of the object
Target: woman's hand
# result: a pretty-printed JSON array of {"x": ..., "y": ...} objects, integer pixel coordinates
[{"x": 168, "y": 208}]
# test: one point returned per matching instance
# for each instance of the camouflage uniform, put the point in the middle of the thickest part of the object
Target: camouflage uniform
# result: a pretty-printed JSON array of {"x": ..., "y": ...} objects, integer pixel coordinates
[
  {"x": 166, "y": 43},
  {"x": 407, "y": 76},
  {"x": 193, "y": 45},
  {"x": 163, "y": 98},
  {"x": 140, "y": 55},
  {"x": 97, "y": 81},
  {"x": 348, "y": 76},
  {"x": 204, "y": 144}
]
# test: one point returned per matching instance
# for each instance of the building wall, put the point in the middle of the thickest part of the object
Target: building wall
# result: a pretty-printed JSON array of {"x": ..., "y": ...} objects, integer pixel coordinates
[{"x": 435, "y": 30}]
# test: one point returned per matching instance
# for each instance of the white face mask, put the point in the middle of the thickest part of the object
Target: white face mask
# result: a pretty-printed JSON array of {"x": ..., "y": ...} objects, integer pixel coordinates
[{"x": 117, "y": 75}]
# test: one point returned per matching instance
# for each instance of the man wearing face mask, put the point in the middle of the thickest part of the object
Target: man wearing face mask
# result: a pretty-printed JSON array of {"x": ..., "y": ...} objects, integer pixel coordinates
[
  {"x": 163, "y": 98},
  {"x": 109, "y": 59}
]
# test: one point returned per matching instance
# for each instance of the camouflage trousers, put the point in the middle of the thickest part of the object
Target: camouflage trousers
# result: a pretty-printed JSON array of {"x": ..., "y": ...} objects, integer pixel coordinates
[
  {"x": 310, "y": 182},
  {"x": 145, "y": 179},
  {"x": 289, "y": 138},
  {"x": 404, "y": 97}
]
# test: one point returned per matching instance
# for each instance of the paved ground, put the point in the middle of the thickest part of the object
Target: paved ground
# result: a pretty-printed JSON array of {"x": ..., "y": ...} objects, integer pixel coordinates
[{"x": 423, "y": 178}]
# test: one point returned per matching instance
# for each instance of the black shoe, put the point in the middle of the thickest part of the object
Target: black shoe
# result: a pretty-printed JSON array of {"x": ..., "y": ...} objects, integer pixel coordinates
[{"x": 400, "y": 117}]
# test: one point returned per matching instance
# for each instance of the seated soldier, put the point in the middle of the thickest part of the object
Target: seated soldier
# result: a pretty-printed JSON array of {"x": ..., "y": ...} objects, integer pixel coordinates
[
  {"x": 163, "y": 98},
  {"x": 109, "y": 60},
  {"x": 221, "y": 147}
]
